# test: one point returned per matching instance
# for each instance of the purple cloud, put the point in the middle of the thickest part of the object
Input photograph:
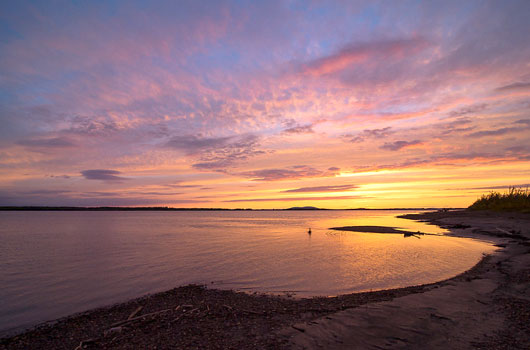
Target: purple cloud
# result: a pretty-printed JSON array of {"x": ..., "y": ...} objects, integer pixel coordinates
[
  {"x": 369, "y": 133},
  {"x": 514, "y": 86},
  {"x": 91, "y": 126},
  {"x": 177, "y": 185},
  {"x": 191, "y": 144},
  {"x": 288, "y": 199},
  {"x": 457, "y": 126},
  {"x": 102, "y": 174},
  {"x": 497, "y": 132},
  {"x": 44, "y": 192},
  {"x": 398, "y": 145},
  {"x": 281, "y": 174},
  {"x": 228, "y": 152},
  {"x": 468, "y": 110},
  {"x": 216, "y": 153},
  {"x": 523, "y": 121},
  {"x": 300, "y": 129},
  {"x": 59, "y": 176},
  {"x": 456, "y": 130},
  {"x": 293, "y": 172},
  {"x": 54, "y": 142},
  {"x": 336, "y": 188}
]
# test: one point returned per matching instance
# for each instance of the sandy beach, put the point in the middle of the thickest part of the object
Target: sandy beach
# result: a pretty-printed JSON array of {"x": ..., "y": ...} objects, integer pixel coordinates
[{"x": 488, "y": 307}]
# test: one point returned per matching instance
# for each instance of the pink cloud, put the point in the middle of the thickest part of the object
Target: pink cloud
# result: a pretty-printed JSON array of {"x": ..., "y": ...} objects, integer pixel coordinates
[
  {"x": 289, "y": 199},
  {"x": 355, "y": 54},
  {"x": 333, "y": 188},
  {"x": 293, "y": 172}
]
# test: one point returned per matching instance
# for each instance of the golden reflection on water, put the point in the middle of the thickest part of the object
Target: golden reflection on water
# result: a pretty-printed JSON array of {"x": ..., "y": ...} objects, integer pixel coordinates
[{"x": 379, "y": 218}]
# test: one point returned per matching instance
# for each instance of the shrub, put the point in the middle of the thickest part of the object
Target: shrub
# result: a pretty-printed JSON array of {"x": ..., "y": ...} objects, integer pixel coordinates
[{"x": 516, "y": 199}]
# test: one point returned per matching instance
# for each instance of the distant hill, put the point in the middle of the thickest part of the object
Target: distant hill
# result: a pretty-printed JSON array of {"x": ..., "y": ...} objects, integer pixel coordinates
[{"x": 304, "y": 208}]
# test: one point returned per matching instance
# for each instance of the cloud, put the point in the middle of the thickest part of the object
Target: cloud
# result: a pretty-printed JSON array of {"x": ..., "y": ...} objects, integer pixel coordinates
[
  {"x": 227, "y": 153},
  {"x": 281, "y": 174},
  {"x": 456, "y": 122},
  {"x": 454, "y": 158},
  {"x": 60, "y": 176},
  {"x": 514, "y": 86},
  {"x": 300, "y": 129},
  {"x": 54, "y": 142},
  {"x": 289, "y": 199},
  {"x": 336, "y": 188},
  {"x": 220, "y": 165},
  {"x": 88, "y": 201},
  {"x": 452, "y": 127},
  {"x": 520, "y": 152},
  {"x": 192, "y": 144},
  {"x": 523, "y": 121},
  {"x": 369, "y": 133},
  {"x": 102, "y": 174},
  {"x": 499, "y": 187},
  {"x": 84, "y": 199},
  {"x": 293, "y": 172},
  {"x": 468, "y": 110},
  {"x": 44, "y": 192},
  {"x": 456, "y": 130},
  {"x": 398, "y": 145},
  {"x": 217, "y": 153},
  {"x": 83, "y": 125},
  {"x": 155, "y": 193},
  {"x": 178, "y": 185},
  {"x": 356, "y": 54},
  {"x": 497, "y": 132}
]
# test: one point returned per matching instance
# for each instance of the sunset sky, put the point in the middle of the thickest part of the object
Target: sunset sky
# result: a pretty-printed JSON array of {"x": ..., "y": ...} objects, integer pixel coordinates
[{"x": 269, "y": 104}]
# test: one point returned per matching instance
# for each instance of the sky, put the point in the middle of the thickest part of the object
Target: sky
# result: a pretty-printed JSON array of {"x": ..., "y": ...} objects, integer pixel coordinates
[{"x": 263, "y": 104}]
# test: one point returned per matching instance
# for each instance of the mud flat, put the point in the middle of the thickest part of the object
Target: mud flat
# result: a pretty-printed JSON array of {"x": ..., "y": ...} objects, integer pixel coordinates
[{"x": 488, "y": 307}]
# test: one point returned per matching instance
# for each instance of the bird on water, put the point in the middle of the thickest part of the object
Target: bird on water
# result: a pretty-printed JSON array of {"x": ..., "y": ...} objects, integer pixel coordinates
[{"x": 309, "y": 231}]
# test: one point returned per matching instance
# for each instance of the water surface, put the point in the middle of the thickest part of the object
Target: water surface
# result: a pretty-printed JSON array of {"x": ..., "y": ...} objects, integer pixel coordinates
[{"x": 53, "y": 264}]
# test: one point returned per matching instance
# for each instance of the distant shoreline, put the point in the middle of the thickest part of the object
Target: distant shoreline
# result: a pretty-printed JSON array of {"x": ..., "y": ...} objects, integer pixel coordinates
[{"x": 61, "y": 208}]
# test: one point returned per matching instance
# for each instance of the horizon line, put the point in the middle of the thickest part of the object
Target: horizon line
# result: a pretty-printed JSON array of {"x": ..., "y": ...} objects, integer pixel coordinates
[{"x": 162, "y": 208}]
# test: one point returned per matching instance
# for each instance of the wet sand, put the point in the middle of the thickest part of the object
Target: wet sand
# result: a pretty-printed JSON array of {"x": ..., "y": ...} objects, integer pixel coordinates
[
  {"x": 371, "y": 229},
  {"x": 487, "y": 307}
]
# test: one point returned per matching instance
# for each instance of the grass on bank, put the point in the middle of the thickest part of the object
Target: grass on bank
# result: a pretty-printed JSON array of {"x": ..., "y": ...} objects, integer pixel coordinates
[{"x": 516, "y": 199}]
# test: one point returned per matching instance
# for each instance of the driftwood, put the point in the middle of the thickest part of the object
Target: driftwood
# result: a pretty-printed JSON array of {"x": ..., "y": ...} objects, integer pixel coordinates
[
  {"x": 113, "y": 330},
  {"x": 85, "y": 342},
  {"x": 135, "y": 312},
  {"x": 139, "y": 317},
  {"x": 504, "y": 231},
  {"x": 252, "y": 312},
  {"x": 298, "y": 329}
]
